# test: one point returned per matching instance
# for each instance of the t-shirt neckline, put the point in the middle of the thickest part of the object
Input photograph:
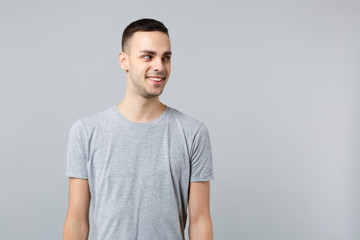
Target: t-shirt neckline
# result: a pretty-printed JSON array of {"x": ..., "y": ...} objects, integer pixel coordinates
[{"x": 129, "y": 122}]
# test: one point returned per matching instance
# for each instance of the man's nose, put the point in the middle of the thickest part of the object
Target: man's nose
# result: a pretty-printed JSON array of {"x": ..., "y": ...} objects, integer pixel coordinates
[{"x": 158, "y": 64}]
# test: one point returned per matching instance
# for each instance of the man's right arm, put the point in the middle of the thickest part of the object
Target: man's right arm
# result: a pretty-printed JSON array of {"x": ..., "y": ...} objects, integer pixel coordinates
[{"x": 76, "y": 225}]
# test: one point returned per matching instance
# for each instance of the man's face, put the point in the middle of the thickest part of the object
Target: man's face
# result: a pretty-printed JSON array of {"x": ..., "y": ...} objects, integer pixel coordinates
[{"x": 149, "y": 62}]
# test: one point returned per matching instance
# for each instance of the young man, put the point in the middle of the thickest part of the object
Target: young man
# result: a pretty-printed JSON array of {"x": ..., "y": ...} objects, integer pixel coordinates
[{"x": 141, "y": 162}]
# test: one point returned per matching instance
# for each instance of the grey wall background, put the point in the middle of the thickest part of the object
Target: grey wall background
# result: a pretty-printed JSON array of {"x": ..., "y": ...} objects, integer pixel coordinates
[{"x": 276, "y": 82}]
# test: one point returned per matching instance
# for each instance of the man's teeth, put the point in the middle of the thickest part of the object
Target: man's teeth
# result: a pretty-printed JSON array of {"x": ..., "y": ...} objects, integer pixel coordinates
[{"x": 155, "y": 79}]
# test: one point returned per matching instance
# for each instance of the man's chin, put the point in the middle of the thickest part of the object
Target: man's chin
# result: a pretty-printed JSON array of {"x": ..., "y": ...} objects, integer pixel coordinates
[{"x": 152, "y": 94}]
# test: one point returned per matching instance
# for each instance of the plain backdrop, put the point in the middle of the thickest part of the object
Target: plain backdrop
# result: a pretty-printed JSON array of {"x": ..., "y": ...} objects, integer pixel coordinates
[{"x": 277, "y": 83}]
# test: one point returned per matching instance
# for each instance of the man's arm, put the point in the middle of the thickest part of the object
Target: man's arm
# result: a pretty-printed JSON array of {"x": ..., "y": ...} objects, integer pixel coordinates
[
  {"x": 200, "y": 225},
  {"x": 76, "y": 225}
]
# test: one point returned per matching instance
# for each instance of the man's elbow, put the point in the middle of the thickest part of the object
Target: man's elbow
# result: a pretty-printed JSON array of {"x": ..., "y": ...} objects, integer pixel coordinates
[
  {"x": 75, "y": 229},
  {"x": 201, "y": 228}
]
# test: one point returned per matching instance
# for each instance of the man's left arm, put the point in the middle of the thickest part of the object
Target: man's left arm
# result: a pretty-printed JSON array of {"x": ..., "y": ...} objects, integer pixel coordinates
[{"x": 200, "y": 225}]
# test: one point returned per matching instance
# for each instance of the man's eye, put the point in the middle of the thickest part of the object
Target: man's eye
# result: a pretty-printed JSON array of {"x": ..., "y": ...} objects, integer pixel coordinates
[
  {"x": 167, "y": 58},
  {"x": 147, "y": 56}
]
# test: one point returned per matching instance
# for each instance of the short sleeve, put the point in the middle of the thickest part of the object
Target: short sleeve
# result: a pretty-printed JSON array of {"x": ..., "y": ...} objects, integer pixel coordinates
[
  {"x": 201, "y": 157},
  {"x": 76, "y": 162}
]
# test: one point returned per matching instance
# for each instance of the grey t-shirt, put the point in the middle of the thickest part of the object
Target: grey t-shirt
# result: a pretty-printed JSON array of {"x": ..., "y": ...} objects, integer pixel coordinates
[{"x": 139, "y": 173}]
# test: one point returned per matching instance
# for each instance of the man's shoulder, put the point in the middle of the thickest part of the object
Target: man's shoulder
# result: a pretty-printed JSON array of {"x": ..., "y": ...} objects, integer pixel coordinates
[
  {"x": 95, "y": 118},
  {"x": 185, "y": 119}
]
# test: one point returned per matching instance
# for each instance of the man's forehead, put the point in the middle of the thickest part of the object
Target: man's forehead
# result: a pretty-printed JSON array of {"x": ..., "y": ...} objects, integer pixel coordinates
[
  {"x": 147, "y": 39},
  {"x": 142, "y": 34}
]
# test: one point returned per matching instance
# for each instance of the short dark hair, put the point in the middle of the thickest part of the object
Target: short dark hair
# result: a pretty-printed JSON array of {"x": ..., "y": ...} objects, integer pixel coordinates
[{"x": 144, "y": 24}]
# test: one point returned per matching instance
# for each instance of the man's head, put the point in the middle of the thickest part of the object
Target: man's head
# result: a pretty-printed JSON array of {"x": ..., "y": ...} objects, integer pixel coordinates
[{"x": 146, "y": 57}]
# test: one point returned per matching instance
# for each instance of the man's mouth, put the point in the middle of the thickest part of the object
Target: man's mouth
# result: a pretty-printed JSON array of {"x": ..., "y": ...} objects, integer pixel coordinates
[{"x": 155, "y": 79}]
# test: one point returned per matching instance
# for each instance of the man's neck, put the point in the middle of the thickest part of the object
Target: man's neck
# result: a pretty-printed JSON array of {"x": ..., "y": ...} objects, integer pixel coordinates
[{"x": 141, "y": 111}]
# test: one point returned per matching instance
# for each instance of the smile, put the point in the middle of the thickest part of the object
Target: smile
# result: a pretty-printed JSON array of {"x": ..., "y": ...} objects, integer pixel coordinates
[{"x": 156, "y": 79}]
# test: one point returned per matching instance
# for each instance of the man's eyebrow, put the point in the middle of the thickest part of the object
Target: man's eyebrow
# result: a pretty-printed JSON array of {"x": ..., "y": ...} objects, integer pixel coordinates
[{"x": 168, "y": 53}]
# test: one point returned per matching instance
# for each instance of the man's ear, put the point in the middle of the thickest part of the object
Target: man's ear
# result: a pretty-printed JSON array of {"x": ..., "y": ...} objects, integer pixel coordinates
[{"x": 124, "y": 61}]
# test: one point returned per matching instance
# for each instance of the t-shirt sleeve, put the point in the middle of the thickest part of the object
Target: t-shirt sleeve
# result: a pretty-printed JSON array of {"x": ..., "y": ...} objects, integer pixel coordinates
[
  {"x": 201, "y": 157},
  {"x": 76, "y": 161}
]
